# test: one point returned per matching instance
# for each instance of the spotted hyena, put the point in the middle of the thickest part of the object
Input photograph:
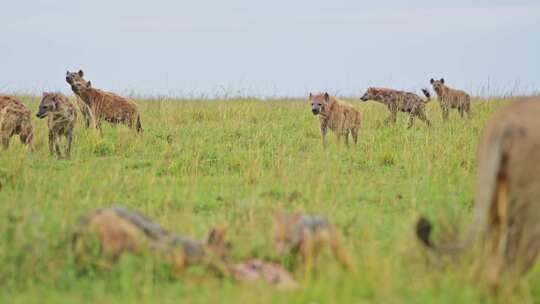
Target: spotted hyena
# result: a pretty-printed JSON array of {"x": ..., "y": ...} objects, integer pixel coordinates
[
  {"x": 400, "y": 101},
  {"x": 108, "y": 106},
  {"x": 15, "y": 119},
  {"x": 62, "y": 119},
  {"x": 71, "y": 78},
  {"x": 340, "y": 117},
  {"x": 451, "y": 98}
]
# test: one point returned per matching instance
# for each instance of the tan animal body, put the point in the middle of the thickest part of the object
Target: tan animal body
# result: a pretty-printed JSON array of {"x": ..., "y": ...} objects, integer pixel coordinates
[
  {"x": 507, "y": 204},
  {"x": 335, "y": 115},
  {"x": 119, "y": 230},
  {"x": 107, "y": 106},
  {"x": 402, "y": 101},
  {"x": 62, "y": 119},
  {"x": 451, "y": 98},
  {"x": 306, "y": 235},
  {"x": 71, "y": 78},
  {"x": 15, "y": 119}
]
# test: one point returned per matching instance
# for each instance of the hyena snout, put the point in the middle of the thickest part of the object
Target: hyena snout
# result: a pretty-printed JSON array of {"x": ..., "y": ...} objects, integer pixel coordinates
[
  {"x": 42, "y": 112},
  {"x": 315, "y": 109}
]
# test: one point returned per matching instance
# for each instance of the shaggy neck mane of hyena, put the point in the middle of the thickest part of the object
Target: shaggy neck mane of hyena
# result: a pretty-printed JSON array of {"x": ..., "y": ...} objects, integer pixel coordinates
[{"x": 327, "y": 111}]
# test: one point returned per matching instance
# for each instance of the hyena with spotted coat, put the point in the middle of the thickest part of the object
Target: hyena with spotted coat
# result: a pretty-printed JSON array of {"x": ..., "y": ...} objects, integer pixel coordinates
[
  {"x": 62, "y": 119},
  {"x": 451, "y": 98},
  {"x": 15, "y": 119},
  {"x": 340, "y": 117},
  {"x": 107, "y": 106},
  {"x": 400, "y": 101},
  {"x": 72, "y": 77}
]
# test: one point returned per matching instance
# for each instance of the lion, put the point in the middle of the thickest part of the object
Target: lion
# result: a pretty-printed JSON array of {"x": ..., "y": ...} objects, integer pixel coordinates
[
  {"x": 340, "y": 117},
  {"x": 507, "y": 204}
]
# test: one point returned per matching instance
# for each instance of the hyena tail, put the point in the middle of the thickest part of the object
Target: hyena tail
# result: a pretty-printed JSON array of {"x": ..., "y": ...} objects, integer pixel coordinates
[
  {"x": 138, "y": 125},
  {"x": 427, "y": 94}
]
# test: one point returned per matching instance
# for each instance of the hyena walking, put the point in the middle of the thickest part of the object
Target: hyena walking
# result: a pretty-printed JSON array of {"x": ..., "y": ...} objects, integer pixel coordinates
[
  {"x": 400, "y": 101},
  {"x": 62, "y": 119},
  {"x": 15, "y": 119},
  {"x": 451, "y": 98},
  {"x": 341, "y": 118},
  {"x": 118, "y": 230},
  {"x": 72, "y": 77},
  {"x": 306, "y": 235},
  {"x": 106, "y": 106}
]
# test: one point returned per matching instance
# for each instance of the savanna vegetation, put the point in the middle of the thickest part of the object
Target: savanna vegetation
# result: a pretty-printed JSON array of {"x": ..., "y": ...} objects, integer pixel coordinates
[{"x": 206, "y": 163}]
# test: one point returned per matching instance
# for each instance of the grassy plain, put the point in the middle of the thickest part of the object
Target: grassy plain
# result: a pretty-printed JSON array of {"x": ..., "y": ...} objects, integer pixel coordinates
[{"x": 204, "y": 163}]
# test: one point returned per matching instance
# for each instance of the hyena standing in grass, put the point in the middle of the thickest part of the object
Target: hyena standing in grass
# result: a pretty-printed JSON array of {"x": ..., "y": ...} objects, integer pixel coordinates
[
  {"x": 451, "y": 98},
  {"x": 62, "y": 119},
  {"x": 118, "y": 230},
  {"x": 341, "y": 118},
  {"x": 15, "y": 119},
  {"x": 400, "y": 101},
  {"x": 306, "y": 235},
  {"x": 72, "y": 77},
  {"x": 106, "y": 106}
]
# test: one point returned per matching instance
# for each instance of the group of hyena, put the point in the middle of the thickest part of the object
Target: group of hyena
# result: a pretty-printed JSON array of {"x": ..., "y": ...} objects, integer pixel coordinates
[
  {"x": 343, "y": 119},
  {"x": 94, "y": 104},
  {"x": 506, "y": 223}
]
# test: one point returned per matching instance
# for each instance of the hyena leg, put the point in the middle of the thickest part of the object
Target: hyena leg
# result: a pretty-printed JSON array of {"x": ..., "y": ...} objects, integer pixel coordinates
[
  {"x": 354, "y": 134},
  {"x": 323, "y": 136},
  {"x": 444, "y": 109},
  {"x": 461, "y": 110},
  {"x": 69, "y": 138},
  {"x": 340, "y": 253},
  {"x": 5, "y": 141},
  {"x": 422, "y": 117},
  {"x": 51, "y": 142},
  {"x": 346, "y": 136},
  {"x": 411, "y": 121},
  {"x": 57, "y": 146}
]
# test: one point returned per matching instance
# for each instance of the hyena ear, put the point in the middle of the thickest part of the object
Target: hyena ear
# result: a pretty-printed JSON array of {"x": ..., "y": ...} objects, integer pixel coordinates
[
  {"x": 310, "y": 96},
  {"x": 88, "y": 84},
  {"x": 442, "y": 80},
  {"x": 431, "y": 80},
  {"x": 326, "y": 96},
  {"x": 81, "y": 73},
  {"x": 67, "y": 73},
  {"x": 44, "y": 94}
]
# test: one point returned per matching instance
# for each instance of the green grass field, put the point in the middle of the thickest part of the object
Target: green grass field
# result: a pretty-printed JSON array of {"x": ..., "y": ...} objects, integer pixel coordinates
[{"x": 231, "y": 162}]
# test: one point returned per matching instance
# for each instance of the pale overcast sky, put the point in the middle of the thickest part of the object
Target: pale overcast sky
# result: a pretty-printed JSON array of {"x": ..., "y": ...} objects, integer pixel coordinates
[{"x": 270, "y": 48}]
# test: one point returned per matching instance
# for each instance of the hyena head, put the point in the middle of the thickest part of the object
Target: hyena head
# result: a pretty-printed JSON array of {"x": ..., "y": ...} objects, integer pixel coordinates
[
  {"x": 49, "y": 103},
  {"x": 318, "y": 102},
  {"x": 80, "y": 88},
  {"x": 72, "y": 77},
  {"x": 438, "y": 85},
  {"x": 285, "y": 237},
  {"x": 370, "y": 94}
]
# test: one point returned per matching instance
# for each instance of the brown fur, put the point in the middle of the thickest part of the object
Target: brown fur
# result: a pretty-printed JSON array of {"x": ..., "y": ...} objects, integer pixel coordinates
[
  {"x": 507, "y": 207},
  {"x": 119, "y": 230},
  {"x": 62, "y": 119},
  {"x": 400, "y": 101},
  {"x": 306, "y": 235},
  {"x": 15, "y": 119},
  {"x": 451, "y": 98},
  {"x": 254, "y": 270},
  {"x": 78, "y": 77},
  {"x": 340, "y": 117},
  {"x": 108, "y": 106}
]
